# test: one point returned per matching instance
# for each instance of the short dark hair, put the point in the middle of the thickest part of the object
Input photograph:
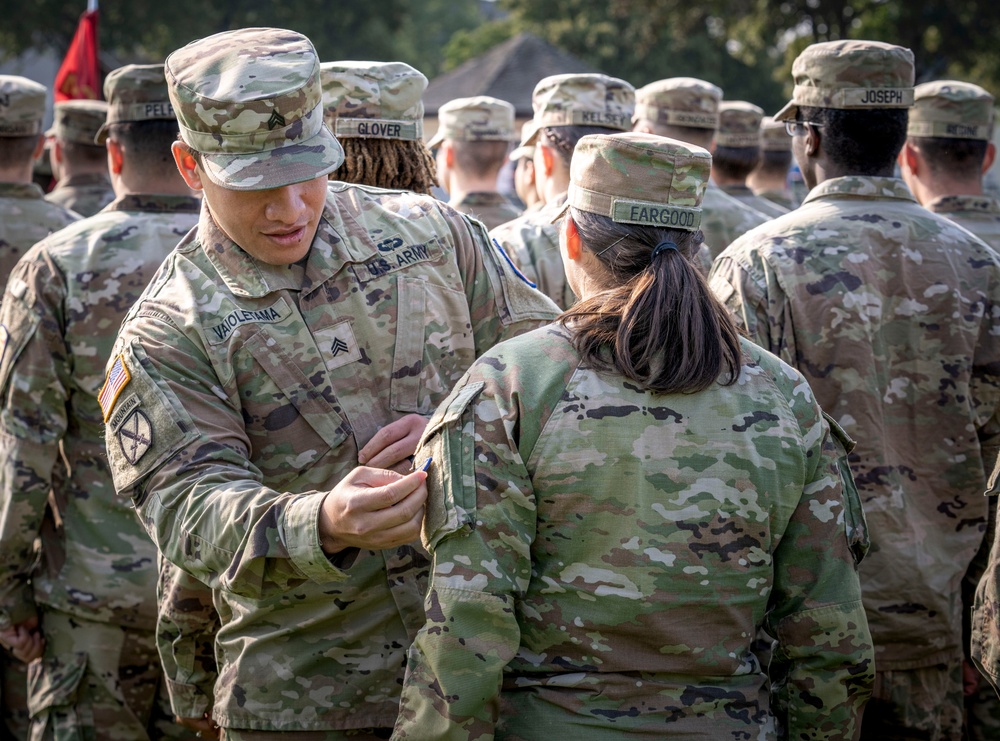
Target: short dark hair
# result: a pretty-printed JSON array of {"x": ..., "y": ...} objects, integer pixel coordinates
[
  {"x": 85, "y": 154},
  {"x": 147, "y": 143},
  {"x": 17, "y": 151},
  {"x": 735, "y": 162},
  {"x": 657, "y": 323},
  {"x": 961, "y": 159},
  {"x": 775, "y": 162},
  {"x": 564, "y": 138},
  {"x": 480, "y": 159},
  {"x": 696, "y": 135},
  {"x": 861, "y": 142}
]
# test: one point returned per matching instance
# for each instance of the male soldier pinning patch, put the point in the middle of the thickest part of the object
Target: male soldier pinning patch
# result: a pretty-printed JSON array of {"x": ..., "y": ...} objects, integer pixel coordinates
[
  {"x": 567, "y": 107},
  {"x": 284, "y": 360},
  {"x": 770, "y": 178},
  {"x": 687, "y": 109},
  {"x": 893, "y": 314},
  {"x": 79, "y": 165},
  {"x": 25, "y": 218},
  {"x": 737, "y": 152},
  {"x": 94, "y": 595},
  {"x": 375, "y": 111},
  {"x": 472, "y": 141}
]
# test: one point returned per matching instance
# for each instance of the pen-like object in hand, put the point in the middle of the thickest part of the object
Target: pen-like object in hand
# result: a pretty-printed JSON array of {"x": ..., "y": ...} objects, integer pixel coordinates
[{"x": 427, "y": 464}]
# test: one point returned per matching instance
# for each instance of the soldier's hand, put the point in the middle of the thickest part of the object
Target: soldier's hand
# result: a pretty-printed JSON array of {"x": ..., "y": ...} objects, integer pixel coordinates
[
  {"x": 373, "y": 508},
  {"x": 204, "y": 727},
  {"x": 392, "y": 446},
  {"x": 24, "y": 640}
]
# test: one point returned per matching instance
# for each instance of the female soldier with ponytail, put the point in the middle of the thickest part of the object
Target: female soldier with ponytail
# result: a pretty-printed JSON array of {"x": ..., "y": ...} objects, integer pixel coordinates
[{"x": 621, "y": 500}]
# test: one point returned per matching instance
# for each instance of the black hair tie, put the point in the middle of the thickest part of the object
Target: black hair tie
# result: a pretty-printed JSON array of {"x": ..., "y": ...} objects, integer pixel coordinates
[{"x": 661, "y": 248}]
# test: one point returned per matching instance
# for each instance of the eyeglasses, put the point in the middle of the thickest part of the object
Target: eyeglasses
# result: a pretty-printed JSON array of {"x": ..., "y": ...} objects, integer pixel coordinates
[{"x": 798, "y": 128}]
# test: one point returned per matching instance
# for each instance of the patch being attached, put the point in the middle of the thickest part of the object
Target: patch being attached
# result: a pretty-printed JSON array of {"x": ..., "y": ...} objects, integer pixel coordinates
[
  {"x": 135, "y": 436},
  {"x": 337, "y": 344},
  {"x": 118, "y": 377},
  {"x": 393, "y": 254}
]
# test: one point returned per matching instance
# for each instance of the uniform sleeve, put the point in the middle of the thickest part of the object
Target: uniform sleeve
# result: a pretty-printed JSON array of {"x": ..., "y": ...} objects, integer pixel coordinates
[
  {"x": 749, "y": 296},
  {"x": 34, "y": 383},
  {"x": 185, "y": 639},
  {"x": 479, "y": 528},
  {"x": 823, "y": 668},
  {"x": 177, "y": 445}
]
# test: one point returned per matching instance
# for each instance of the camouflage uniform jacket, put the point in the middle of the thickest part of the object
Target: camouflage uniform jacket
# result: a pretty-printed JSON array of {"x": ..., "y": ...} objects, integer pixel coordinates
[
  {"x": 893, "y": 314},
  {"x": 25, "y": 218},
  {"x": 723, "y": 219},
  {"x": 532, "y": 242},
  {"x": 603, "y": 557},
  {"x": 252, "y": 388},
  {"x": 86, "y": 194},
  {"x": 60, "y": 316},
  {"x": 490, "y": 208},
  {"x": 747, "y": 197},
  {"x": 186, "y": 624},
  {"x": 979, "y": 214}
]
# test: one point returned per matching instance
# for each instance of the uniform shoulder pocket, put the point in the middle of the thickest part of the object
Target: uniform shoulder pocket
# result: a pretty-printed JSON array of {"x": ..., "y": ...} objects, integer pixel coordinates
[
  {"x": 451, "y": 486},
  {"x": 18, "y": 322},
  {"x": 855, "y": 524}
]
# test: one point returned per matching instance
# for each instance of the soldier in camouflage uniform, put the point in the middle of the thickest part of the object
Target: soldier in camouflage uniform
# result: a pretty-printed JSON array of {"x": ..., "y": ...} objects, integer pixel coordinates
[
  {"x": 737, "y": 151},
  {"x": 301, "y": 330},
  {"x": 589, "y": 515},
  {"x": 80, "y": 166},
  {"x": 472, "y": 141},
  {"x": 524, "y": 173},
  {"x": 95, "y": 589},
  {"x": 25, "y": 218},
  {"x": 686, "y": 108},
  {"x": 893, "y": 314},
  {"x": 566, "y": 107},
  {"x": 770, "y": 178}
]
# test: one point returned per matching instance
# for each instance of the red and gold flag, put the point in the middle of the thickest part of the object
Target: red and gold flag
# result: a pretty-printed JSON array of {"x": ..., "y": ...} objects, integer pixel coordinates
[{"x": 79, "y": 76}]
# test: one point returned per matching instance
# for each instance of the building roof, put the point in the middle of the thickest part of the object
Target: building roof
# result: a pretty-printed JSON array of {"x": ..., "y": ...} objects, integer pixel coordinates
[{"x": 508, "y": 71}]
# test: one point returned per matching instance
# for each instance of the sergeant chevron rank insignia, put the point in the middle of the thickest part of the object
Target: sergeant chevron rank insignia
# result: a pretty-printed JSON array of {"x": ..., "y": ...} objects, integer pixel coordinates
[{"x": 337, "y": 344}]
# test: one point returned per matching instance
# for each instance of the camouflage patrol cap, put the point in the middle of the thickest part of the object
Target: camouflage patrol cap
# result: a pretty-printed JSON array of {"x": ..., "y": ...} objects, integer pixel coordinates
[
  {"x": 373, "y": 100},
  {"x": 642, "y": 179},
  {"x": 251, "y": 103},
  {"x": 951, "y": 109},
  {"x": 773, "y": 136},
  {"x": 851, "y": 75},
  {"x": 22, "y": 106},
  {"x": 679, "y": 101},
  {"x": 136, "y": 92},
  {"x": 477, "y": 119},
  {"x": 523, "y": 151},
  {"x": 739, "y": 124},
  {"x": 79, "y": 120},
  {"x": 581, "y": 100}
]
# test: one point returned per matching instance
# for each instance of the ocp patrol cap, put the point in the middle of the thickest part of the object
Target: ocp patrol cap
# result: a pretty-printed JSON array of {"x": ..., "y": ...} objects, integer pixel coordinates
[
  {"x": 373, "y": 100},
  {"x": 250, "y": 102},
  {"x": 952, "y": 110},
  {"x": 773, "y": 136},
  {"x": 79, "y": 120},
  {"x": 581, "y": 100},
  {"x": 476, "y": 119},
  {"x": 739, "y": 124},
  {"x": 679, "y": 101},
  {"x": 523, "y": 151},
  {"x": 641, "y": 179},
  {"x": 136, "y": 92},
  {"x": 851, "y": 75},
  {"x": 22, "y": 106}
]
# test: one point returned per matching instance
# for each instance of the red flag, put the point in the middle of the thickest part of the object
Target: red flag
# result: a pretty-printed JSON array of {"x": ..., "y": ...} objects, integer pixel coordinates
[{"x": 79, "y": 76}]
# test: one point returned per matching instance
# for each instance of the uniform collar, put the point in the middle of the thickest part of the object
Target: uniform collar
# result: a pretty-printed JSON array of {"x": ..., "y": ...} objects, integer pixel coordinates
[
  {"x": 85, "y": 178},
  {"x": 481, "y": 198},
  {"x": 155, "y": 203},
  {"x": 860, "y": 186},
  {"x": 20, "y": 190},
  {"x": 983, "y": 204}
]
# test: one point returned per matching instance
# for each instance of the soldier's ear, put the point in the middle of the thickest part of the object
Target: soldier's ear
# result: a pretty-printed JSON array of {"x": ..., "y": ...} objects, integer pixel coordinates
[
  {"x": 115, "y": 158},
  {"x": 909, "y": 159},
  {"x": 813, "y": 139},
  {"x": 187, "y": 165},
  {"x": 571, "y": 234},
  {"x": 991, "y": 153}
]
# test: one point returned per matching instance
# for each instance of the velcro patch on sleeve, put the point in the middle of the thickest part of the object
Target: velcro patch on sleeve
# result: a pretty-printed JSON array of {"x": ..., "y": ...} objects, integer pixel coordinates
[{"x": 116, "y": 380}]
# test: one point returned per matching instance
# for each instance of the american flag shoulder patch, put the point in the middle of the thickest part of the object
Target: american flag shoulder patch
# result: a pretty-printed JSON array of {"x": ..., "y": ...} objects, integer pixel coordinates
[{"x": 118, "y": 377}]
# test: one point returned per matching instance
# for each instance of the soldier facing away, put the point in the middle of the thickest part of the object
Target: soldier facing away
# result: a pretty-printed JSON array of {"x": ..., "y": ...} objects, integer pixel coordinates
[
  {"x": 79, "y": 165},
  {"x": 283, "y": 361},
  {"x": 770, "y": 178},
  {"x": 737, "y": 151},
  {"x": 94, "y": 593},
  {"x": 893, "y": 314},
  {"x": 626, "y": 497}
]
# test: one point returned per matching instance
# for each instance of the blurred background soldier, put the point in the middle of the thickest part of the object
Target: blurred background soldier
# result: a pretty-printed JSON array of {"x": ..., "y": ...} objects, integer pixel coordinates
[
  {"x": 79, "y": 166},
  {"x": 375, "y": 110},
  {"x": 737, "y": 152},
  {"x": 524, "y": 173},
  {"x": 472, "y": 141},
  {"x": 25, "y": 218},
  {"x": 890, "y": 312},
  {"x": 94, "y": 593},
  {"x": 770, "y": 178},
  {"x": 687, "y": 109},
  {"x": 566, "y": 108}
]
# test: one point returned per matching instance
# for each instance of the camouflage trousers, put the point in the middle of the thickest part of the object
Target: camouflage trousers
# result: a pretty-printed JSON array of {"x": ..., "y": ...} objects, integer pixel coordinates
[
  {"x": 97, "y": 682},
  {"x": 982, "y": 714},
  {"x": 355, "y": 734},
  {"x": 13, "y": 698},
  {"x": 925, "y": 704}
]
